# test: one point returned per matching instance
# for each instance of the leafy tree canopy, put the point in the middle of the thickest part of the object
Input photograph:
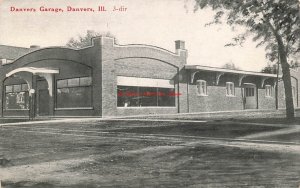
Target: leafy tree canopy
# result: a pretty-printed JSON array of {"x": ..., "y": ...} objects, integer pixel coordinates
[
  {"x": 82, "y": 41},
  {"x": 230, "y": 65},
  {"x": 271, "y": 69},
  {"x": 274, "y": 24},
  {"x": 260, "y": 18}
]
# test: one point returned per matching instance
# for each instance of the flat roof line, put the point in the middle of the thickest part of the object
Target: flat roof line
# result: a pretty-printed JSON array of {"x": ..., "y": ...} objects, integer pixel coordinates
[{"x": 216, "y": 69}]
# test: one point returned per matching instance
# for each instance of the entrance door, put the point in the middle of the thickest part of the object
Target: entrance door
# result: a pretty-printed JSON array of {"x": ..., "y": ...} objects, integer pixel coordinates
[
  {"x": 250, "y": 97},
  {"x": 43, "y": 102}
]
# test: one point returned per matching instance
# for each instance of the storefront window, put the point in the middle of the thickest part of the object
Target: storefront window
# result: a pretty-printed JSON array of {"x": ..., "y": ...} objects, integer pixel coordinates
[
  {"x": 132, "y": 96},
  {"x": 16, "y": 97},
  {"x": 148, "y": 96},
  {"x": 74, "y": 93},
  {"x": 166, "y": 96},
  {"x": 127, "y": 96}
]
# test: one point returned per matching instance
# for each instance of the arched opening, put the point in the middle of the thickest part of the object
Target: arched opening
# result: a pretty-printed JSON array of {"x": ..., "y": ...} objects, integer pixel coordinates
[
  {"x": 16, "y": 100},
  {"x": 29, "y": 89}
]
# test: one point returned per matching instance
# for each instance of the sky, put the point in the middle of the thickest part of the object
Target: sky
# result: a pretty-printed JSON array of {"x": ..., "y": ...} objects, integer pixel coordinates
[{"x": 153, "y": 22}]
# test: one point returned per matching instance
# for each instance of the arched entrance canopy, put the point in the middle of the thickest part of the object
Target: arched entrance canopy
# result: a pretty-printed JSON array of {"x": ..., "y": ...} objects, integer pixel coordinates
[
  {"x": 24, "y": 73},
  {"x": 33, "y": 70}
]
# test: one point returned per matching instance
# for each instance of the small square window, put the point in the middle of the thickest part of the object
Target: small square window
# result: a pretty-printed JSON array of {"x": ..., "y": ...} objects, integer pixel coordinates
[
  {"x": 268, "y": 91},
  {"x": 249, "y": 92},
  {"x": 201, "y": 88},
  {"x": 230, "y": 90}
]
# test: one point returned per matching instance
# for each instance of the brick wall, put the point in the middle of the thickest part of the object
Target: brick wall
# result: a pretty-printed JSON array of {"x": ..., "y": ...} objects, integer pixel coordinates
[
  {"x": 215, "y": 101},
  {"x": 104, "y": 61},
  {"x": 138, "y": 61},
  {"x": 265, "y": 102},
  {"x": 281, "y": 91},
  {"x": 71, "y": 63}
]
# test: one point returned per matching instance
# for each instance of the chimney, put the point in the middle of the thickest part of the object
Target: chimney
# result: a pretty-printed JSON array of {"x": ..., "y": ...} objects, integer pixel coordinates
[
  {"x": 34, "y": 46},
  {"x": 179, "y": 44}
]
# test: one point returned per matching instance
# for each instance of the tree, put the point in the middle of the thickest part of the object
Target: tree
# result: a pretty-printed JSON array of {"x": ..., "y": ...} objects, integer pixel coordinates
[
  {"x": 294, "y": 64},
  {"x": 230, "y": 65},
  {"x": 84, "y": 41},
  {"x": 271, "y": 69},
  {"x": 271, "y": 23}
]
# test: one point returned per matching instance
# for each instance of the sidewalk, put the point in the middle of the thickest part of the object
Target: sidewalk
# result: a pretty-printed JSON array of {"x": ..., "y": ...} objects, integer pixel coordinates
[
  {"x": 218, "y": 115},
  {"x": 240, "y": 115}
]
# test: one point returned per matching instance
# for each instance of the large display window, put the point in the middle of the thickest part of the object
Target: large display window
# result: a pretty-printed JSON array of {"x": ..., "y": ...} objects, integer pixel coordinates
[
  {"x": 145, "y": 92},
  {"x": 16, "y": 97},
  {"x": 74, "y": 93}
]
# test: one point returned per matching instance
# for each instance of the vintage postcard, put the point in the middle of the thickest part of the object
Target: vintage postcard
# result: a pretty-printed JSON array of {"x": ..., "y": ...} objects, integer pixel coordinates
[{"x": 153, "y": 93}]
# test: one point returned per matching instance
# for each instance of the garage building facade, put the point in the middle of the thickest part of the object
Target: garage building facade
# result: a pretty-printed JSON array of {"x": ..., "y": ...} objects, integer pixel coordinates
[{"x": 106, "y": 79}]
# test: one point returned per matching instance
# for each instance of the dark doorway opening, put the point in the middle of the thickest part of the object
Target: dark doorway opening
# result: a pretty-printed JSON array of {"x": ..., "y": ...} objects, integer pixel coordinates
[{"x": 43, "y": 98}]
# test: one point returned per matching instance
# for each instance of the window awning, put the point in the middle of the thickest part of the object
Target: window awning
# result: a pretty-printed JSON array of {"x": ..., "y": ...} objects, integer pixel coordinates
[
  {"x": 144, "y": 82},
  {"x": 33, "y": 70},
  {"x": 223, "y": 70}
]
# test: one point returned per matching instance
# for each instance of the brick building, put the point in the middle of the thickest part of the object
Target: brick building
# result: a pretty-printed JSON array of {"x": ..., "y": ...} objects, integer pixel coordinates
[{"x": 106, "y": 79}]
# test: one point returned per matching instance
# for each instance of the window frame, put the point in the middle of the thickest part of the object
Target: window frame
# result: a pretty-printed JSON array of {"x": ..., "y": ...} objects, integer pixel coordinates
[
  {"x": 89, "y": 85},
  {"x": 228, "y": 88},
  {"x": 200, "y": 84},
  {"x": 74, "y": 78},
  {"x": 22, "y": 91},
  {"x": 269, "y": 92},
  {"x": 5, "y": 61},
  {"x": 137, "y": 92}
]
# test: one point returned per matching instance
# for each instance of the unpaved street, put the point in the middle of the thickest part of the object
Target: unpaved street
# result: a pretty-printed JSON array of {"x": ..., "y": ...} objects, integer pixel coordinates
[{"x": 124, "y": 153}]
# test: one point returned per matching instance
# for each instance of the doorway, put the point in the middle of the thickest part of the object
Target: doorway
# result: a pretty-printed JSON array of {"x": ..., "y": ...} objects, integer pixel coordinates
[
  {"x": 42, "y": 98},
  {"x": 250, "y": 96},
  {"x": 43, "y": 102}
]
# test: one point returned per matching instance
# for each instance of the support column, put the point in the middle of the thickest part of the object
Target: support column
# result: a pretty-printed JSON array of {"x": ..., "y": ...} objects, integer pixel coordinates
[
  {"x": 50, "y": 80},
  {"x": 51, "y": 100},
  {"x": 193, "y": 73},
  {"x": 263, "y": 79},
  {"x": 32, "y": 99},
  {"x": 1, "y": 96},
  {"x": 218, "y": 75},
  {"x": 241, "y": 77}
]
